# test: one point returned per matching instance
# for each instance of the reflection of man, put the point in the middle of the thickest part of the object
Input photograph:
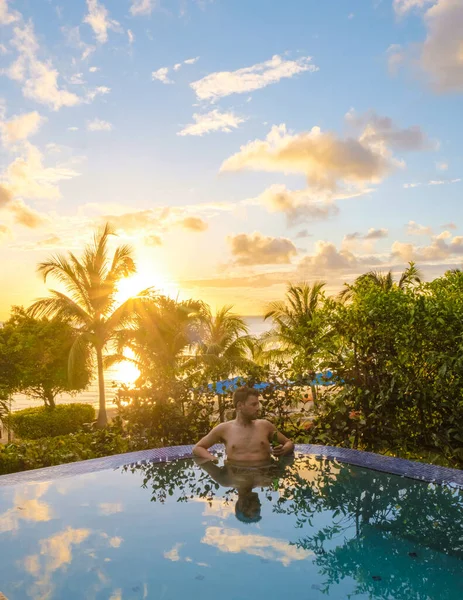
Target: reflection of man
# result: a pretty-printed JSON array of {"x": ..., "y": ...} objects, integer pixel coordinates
[
  {"x": 246, "y": 438},
  {"x": 244, "y": 479}
]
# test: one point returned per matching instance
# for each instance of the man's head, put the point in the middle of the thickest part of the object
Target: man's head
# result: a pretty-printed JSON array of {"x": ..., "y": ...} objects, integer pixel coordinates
[
  {"x": 248, "y": 507},
  {"x": 246, "y": 401}
]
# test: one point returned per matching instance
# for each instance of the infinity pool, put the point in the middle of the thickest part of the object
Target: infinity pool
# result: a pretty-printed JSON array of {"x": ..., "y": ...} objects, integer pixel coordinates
[{"x": 307, "y": 529}]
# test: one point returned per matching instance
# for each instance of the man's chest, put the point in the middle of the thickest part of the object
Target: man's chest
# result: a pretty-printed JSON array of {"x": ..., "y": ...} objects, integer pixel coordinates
[{"x": 253, "y": 437}]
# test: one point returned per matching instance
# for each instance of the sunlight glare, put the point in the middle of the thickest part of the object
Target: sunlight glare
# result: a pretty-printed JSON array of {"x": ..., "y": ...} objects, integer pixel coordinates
[{"x": 131, "y": 286}]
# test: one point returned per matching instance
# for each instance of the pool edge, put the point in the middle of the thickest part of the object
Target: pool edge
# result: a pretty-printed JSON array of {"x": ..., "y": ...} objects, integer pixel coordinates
[{"x": 369, "y": 460}]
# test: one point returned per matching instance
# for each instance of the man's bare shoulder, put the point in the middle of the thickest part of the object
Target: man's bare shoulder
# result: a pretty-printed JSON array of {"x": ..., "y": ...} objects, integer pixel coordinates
[{"x": 265, "y": 424}]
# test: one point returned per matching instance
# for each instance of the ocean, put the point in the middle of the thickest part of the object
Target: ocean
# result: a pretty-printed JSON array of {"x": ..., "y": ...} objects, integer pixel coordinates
[{"x": 115, "y": 376}]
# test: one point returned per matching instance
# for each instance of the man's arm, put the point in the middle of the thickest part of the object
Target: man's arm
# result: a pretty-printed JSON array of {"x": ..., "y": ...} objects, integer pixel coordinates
[
  {"x": 201, "y": 450},
  {"x": 285, "y": 447}
]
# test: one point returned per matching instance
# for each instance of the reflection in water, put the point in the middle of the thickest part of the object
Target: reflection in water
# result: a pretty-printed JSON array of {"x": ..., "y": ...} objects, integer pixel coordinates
[
  {"x": 27, "y": 506},
  {"x": 389, "y": 534},
  {"x": 268, "y": 548},
  {"x": 55, "y": 552}
]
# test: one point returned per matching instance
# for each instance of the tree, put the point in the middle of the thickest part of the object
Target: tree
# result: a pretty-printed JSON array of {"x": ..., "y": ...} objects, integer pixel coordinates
[
  {"x": 37, "y": 350},
  {"x": 384, "y": 281},
  {"x": 222, "y": 346},
  {"x": 298, "y": 324},
  {"x": 91, "y": 307},
  {"x": 161, "y": 338}
]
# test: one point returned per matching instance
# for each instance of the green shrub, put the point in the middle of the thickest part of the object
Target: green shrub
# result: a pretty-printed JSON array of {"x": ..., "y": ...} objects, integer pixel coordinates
[
  {"x": 46, "y": 452},
  {"x": 39, "y": 422}
]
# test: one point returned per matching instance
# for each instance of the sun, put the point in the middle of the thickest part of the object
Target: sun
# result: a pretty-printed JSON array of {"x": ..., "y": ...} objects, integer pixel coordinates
[{"x": 131, "y": 286}]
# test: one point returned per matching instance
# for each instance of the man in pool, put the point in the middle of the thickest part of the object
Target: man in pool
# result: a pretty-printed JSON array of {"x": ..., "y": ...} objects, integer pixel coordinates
[{"x": 247, "y": 439}]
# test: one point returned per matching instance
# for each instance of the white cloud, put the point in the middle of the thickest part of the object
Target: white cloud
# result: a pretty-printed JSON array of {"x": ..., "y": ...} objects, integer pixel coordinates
[
  {"x": 441, "y": 55},
  {"x": 257, "y": 249},
  {"x": 39, "y": 79},
  {"x": 442, "y": 166},
  {"x": 142, "y": 7},
  {"x": 131, "y": 36},
  {"x": 101, "y": 90},
  {"x": 414, "y": 228},
  {"x": 432, "y": 182},
  {"x": 99, "y": 21},
  {"x": 77, "y": 79},
  {"x": 99, "y": 125},
  {"x": 322, "y": 157},
  {"x": 27, "y": 176},
  {"x": 7, "y": 17},
  {"x": 299, "y": 206},
  {"x": 223, "y": 83},
  {"x": 403, "y": 6},
  {"x": 94, "y": 69},
  {"x": 26, "y": 216},
  {"x": 191, "y": 61},
  {"x": 73, "y": 129},
  {"x": 332, "y": 164},
  {"x": 212, "y": 121},
  {"x": 21, "y": 127},
  {"x": 274, "y": 549},
  {"x": 177, "y": 66},
  {"x": 161, "y": 75},
  {"x": 110, "y": 508},
  {"x": 73, "y": 39},
  {"x": 443, "y": 246}
]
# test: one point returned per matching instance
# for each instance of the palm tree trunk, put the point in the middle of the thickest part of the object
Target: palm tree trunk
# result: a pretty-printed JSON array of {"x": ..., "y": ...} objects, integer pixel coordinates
[{"x": 102, "y": 419}]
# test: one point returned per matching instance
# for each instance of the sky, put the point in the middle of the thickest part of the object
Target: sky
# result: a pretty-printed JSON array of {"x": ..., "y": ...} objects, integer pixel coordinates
[{"x": 238, "y": 145}]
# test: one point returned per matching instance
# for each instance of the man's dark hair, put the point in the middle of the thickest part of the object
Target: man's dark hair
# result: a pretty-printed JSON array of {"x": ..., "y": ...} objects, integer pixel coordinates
[{"x": 242, "y": 394}]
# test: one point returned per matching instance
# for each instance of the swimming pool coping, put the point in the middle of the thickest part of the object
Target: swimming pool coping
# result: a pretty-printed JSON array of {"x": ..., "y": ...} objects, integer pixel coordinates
[{"x": 360, "y": 458}]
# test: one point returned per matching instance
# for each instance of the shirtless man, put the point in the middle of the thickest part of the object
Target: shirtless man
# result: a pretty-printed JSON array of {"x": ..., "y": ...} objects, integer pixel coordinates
[{"x": 247, "y": 439}]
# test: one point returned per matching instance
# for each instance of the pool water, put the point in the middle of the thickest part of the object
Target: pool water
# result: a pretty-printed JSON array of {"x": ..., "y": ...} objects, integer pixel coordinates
[{"x": 310, "y": 528}]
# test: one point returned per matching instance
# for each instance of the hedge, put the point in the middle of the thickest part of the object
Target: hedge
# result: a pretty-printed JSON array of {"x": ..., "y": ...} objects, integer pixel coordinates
[{"x": 39, "y": 422}]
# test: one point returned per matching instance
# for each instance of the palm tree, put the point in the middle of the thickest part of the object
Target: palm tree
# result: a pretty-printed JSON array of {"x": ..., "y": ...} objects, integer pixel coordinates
[
  {"x": 161, "y": 336},
  {"x": 91, "y": 306},
  {"x": 297, "y": 321},
  {"x": 223, "y": 342},
  {"x": 384, "y": 281}
]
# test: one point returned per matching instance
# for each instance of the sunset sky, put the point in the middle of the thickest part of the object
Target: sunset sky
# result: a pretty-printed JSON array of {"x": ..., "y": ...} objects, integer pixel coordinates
[{"x": 236, "y": 144}]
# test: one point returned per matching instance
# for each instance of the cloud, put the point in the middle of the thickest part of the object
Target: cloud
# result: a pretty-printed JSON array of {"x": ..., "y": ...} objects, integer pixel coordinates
[
  {"x": 274, "y": 549},
  {"x": 332, "y": 164},
  {"x": 442, "y": 166},
  {"x": 376, "y": 234},
  {"x": 193, "y": 224},
  {"x": 173, "y": 554},
  {"x": 449, "y": 226},
  {"x": 432, "y": 182},
  {"x": 322, "y": 157},
  {"x": 414, "y": 228},
  {"x": 381, "y": 132},
  {"x": 440, "y": 55},
  {"x": 303, "y": 234},
  {"x": 5, "y": 232},
  {"x": 327, "y": 259},
  {"x": 257, "y": 249},
  {"x": 153, "y": 240},
  {"x": 73, "y": 129},
  {"x": 299, "y": 206},
  {"x": 161, "y": 75},
  {"x": 99, "y": 125},
  {"x": 25, "y": 215},
  {"x": 20, "y": 127},
  {"x": 99, "y": 21},
  {"x": 39, "y": 79},
  {"x": 439, "y": 249},
  {"x": 108, "y": 508},
  {"x": 74, "y": 40},
  {"x": 7, "y": 17},
  {"x": 130, "y": 36},
  {"x": 27, "y": 176},
  {"x": 177, "y": 66},
  {"x": 6, "y": 195},
  {"x": 403, "y": 6},
  {"x": 94, "y": 69},
  {"x": 142, "y": 7},
  {"x": 212, "y": 121},
  {"x": 191, "y": 61},
  {"x": 223, "y": 83}
]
